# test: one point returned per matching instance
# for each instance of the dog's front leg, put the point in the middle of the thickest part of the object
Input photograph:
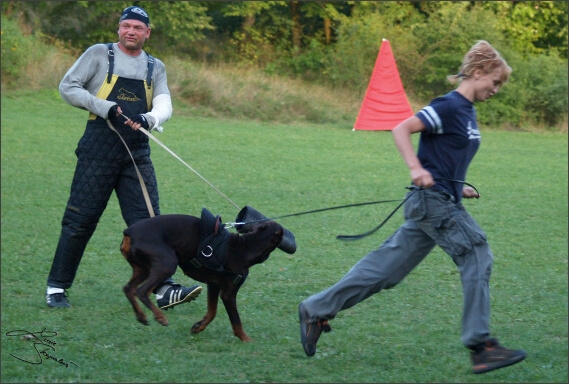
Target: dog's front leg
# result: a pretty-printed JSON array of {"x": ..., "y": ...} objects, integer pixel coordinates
[
  {"x": 229, "y": 299},
  {"x": 212, "y": 299}
]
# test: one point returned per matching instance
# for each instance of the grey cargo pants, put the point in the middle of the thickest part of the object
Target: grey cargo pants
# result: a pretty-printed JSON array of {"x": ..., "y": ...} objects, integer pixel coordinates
[{"x": 432, "y": 218}]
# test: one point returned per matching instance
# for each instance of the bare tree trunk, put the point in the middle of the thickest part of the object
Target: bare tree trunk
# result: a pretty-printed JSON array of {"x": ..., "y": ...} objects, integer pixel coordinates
[
  {"x": 248, "y": 22},
  {"x": 296, "y": 28},
  {"x": 9, "y": 9},
  {"x": 327, "y": 29}
]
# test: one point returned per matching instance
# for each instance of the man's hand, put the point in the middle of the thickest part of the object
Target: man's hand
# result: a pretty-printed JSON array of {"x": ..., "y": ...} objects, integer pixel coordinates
[
  {"x": 137, "y": 121},
  {"x": 114, "y": 111},
  {"x": 469, "y": 193}
]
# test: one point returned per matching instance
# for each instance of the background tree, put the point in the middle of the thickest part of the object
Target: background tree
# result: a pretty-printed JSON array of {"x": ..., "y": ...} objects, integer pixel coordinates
[
  {"x": 83, "y": 23},
  {"x": 247, "y": 37},
  {"x": 332, "y": 43},
  {"x": 533, "y": 27}
]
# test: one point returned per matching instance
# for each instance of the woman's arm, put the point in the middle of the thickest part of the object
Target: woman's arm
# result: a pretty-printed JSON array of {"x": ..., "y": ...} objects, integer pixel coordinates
[{"x": 402, "y": 136}]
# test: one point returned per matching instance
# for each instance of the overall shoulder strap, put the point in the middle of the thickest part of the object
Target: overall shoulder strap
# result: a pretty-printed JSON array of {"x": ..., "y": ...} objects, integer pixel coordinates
[
  {"x": 111, "y": 60},
  {"x": 149, "y": 70}
]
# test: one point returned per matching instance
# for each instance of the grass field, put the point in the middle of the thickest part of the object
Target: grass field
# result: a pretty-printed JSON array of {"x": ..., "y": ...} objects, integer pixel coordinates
[{"x": 408, "y": 334}]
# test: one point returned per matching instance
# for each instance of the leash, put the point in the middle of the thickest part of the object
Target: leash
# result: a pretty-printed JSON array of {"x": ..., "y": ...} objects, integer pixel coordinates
[
  {"x": 413, "y": 190},
  {"x": 361, "y": 236},
  {"x": 233, "y": 224},
  {"x": 460, "y": 182},
  {"x": 365, "y": 234},
  {"x": 183, "y": 162},
  {"x": 150, "y": 135},
  {"x": 140, "y": 179},
  {"x": 339, "y": 237}
]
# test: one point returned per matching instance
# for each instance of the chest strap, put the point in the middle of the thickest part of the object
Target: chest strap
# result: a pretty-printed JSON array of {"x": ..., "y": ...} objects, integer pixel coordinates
[
  {"x": 111, "y": 60},
  {"x": 212, "y": 249}
]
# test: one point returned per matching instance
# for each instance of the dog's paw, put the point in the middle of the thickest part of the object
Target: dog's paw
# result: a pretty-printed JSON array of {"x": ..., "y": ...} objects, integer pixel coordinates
[
  {"x": 162, "y": 320},
  {"x": 143, "y": 321},
  {"x": 245, "y": 339},
  {"x": 197, "y": 327}
]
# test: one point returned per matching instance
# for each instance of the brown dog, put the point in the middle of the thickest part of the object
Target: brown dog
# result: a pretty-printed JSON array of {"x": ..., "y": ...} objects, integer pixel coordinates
[{"x": 155, "y": 247}]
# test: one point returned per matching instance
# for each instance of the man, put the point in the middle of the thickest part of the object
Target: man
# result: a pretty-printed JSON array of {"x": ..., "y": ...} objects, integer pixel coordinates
[
  {"x": 122, "y": 83},
  {"x": 434, "y": 216}
]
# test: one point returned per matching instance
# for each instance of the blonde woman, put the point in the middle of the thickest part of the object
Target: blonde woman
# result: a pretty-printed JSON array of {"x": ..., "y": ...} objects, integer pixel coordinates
[{"x": 434, "y": 215}]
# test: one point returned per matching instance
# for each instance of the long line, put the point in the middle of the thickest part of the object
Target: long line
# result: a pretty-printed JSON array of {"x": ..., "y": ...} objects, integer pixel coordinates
[{"x": 186, "y": 164}]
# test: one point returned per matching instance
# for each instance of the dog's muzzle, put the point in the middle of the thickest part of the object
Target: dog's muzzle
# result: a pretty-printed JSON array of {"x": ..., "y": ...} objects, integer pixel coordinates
[{"x": 250, "y": 216}]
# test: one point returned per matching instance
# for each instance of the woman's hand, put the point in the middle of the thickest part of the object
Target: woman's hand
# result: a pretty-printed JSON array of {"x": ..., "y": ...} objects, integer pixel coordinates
[
  {"x": 422, "y": 178},
  {"x": 469, "y": 193}
]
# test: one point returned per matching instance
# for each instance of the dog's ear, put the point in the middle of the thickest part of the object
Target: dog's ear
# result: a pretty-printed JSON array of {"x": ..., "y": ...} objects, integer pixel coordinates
[{"x": 260, "y": 227}]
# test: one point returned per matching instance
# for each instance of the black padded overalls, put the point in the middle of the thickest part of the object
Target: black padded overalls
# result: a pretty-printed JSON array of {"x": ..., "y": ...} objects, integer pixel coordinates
[{"x": 104, "y": 166}]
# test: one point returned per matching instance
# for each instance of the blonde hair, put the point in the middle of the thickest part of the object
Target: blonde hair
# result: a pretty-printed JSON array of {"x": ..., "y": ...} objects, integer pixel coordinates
[{"x": 484, "y": 57}]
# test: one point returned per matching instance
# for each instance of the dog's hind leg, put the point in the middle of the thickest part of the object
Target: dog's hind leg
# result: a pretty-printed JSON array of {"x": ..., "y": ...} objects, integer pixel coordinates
[
  {"x": 163, "y": 265},
  {"x": 139, "y": 274},
  {"x": 212, "y": 299}
]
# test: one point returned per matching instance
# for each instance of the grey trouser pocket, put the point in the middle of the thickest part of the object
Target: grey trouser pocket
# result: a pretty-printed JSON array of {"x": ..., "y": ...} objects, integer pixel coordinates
[
  {"x": 446, "y": 222},
  {"x": 459, "y": 234},
  {"x": 415, "y": 207}
]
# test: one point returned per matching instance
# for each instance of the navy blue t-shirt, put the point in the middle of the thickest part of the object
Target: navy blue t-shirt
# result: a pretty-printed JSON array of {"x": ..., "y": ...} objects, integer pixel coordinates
[{"x": 450, "y": 141}]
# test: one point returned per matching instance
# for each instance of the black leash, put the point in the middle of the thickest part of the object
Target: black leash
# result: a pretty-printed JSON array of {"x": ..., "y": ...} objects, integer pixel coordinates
[
  {"x": 337, "y": 207},
  {"x": 361, "y": 236},
  {"x": 229, "y": 225},
  {"x": 413, "y": 190}
]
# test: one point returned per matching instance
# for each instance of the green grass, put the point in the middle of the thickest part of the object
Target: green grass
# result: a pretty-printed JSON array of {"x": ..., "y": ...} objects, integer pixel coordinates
[{"x": 408, "y": 334}]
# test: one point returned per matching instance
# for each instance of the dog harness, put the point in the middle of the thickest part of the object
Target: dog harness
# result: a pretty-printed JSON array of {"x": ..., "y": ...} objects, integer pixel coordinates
[{"x": 212, "y": 249}]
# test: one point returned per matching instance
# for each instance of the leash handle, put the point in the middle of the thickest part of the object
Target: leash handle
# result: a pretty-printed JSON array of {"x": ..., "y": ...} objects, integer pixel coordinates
[
  {"x": 460, "y": 182},
  {"x": 361, "y": 236}
]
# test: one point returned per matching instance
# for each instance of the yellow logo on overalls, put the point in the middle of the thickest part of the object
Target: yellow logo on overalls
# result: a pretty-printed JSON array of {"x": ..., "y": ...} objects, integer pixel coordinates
[{"x": 127, "y": 96}]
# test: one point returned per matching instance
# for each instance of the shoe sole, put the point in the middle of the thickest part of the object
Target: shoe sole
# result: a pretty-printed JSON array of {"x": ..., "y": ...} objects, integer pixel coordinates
[
  {"x": 482, "y": 368},
  {"x": 189, "y": 297},
  {"x": 304, "y": 331},
  {"x": 58, "y": 304}
]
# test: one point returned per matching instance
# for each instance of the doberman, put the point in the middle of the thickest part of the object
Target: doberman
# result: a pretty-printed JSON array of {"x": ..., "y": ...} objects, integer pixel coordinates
[{"x": 204, "y": 250}]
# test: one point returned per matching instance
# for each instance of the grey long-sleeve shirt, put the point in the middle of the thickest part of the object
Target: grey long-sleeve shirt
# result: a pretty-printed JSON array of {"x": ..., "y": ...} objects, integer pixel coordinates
[{"x": 83, "y": 80}]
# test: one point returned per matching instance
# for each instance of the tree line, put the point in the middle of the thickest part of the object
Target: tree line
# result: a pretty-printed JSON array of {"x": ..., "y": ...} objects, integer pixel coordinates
[{"x": 335, "y": 43}]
